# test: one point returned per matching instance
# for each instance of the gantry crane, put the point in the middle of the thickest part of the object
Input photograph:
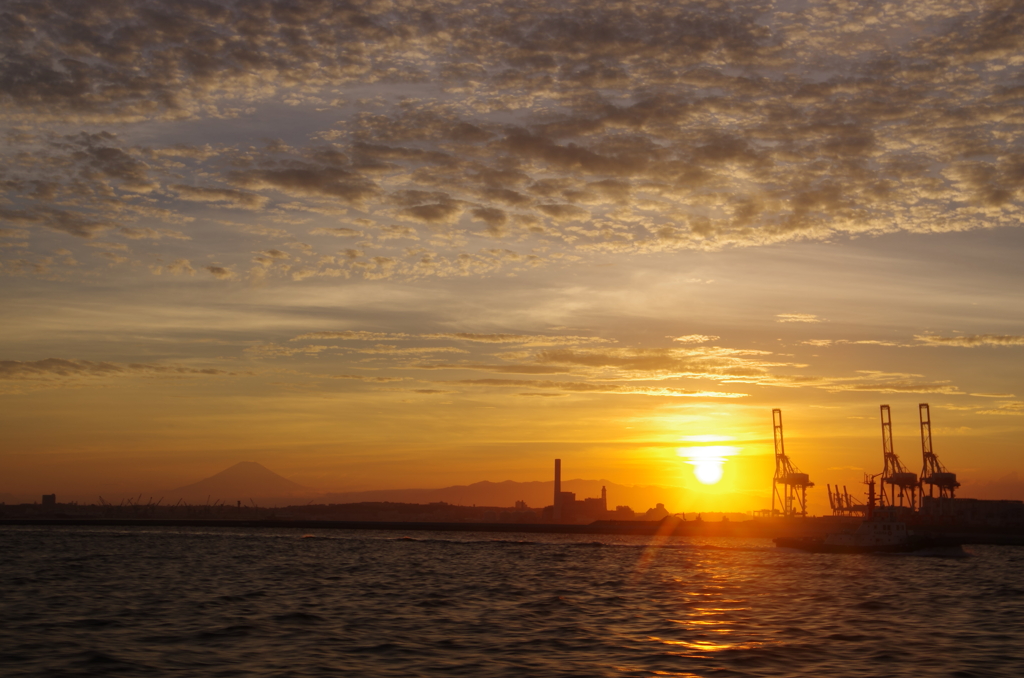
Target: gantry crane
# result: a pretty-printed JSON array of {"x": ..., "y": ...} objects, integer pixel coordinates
[
  {"x": 895, "y": 474},
  {"x": 843, "y": 504},
  {"x": 793, "y": 497},
  {"x": 933, "y": 473}
]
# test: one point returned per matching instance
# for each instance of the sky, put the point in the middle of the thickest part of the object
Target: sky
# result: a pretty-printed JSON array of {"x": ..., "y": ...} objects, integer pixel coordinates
[{"x": 382, "y": 244}]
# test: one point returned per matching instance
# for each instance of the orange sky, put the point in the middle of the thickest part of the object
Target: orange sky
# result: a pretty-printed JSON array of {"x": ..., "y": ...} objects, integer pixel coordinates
[{"x": 492, "y": 238}]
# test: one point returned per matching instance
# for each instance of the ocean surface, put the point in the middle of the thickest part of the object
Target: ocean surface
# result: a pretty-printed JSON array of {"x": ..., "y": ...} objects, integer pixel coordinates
[{"x": 256, "y": 602}]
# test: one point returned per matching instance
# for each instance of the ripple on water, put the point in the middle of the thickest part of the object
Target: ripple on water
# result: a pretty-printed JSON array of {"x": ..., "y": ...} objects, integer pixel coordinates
[{"x": 274, "y": 602}]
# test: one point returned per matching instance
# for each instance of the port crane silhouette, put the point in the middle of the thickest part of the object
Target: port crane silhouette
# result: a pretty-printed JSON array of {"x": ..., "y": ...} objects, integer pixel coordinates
[
  {"x": 901, "y": 482},
  {"x": 933, "y": 473},
  {"x": 793, "y": 496}
]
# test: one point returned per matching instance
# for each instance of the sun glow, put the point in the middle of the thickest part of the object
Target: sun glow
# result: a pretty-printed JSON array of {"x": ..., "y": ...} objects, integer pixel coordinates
[
  {"x": 706, "y": 439},
  {"x": 707, "y": 472},
  {"x": 707, "y": 460}
]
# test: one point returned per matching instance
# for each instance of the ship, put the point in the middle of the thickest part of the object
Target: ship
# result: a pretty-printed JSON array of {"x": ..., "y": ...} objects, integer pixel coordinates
[{"x": 882, "y": 531}]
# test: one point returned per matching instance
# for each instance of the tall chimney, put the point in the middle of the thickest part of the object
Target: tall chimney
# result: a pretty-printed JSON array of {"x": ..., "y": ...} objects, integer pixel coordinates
[{"x": 558, "y": 490}]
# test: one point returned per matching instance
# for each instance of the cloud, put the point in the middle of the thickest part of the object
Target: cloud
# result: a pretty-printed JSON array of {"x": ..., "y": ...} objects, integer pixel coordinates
[
  {"x": 337, "y": 232},
  {"x": 360, "y": 377},
  {"x": 433, "y": 213},
  {"x": 1013, "y": 408},
  {"x": 821, "y": 343},
  {"x": 261, "y": 230},
  {"x": 524, "y": 339},
  {"x": 874, "y": 381},
  {"x": 360, "y": 335},
  {"x": 797, "y": 318},
  {"x": 500, "y": 338},
  {"x": 718, "y": 364},
  {"x": 232, "y": 197},
  {"x": 971, "y": 341},
  {"x": 575, "y": 129},
  {"x": 395, "y": 232},
  {"x": 542, "y": 395},
  {"x": 495, "y": 218},
  {"x": 598, "y": 361},
  {"x": 133, "y": 233},
  {"x": 56, "y": 367},
  {"x": 310, "y": 181},
  {"x": 96, "y": 155},
  {"x": 180, "y": 267},
  {"x": 873, "y": 342},
  {"x": 943, "y": 387},
  {"x": 564, "y": 212},
  {"x": 70, "y": 222},
  {"x": 695, "y": 338},
  {"x": 588, "y": 387},
  {"x": 219, "y": 272},
  {"x": 13, "y": 232},
  {"x": 384, "y": 349},
  {"x": 497, "y": 369},
  {"x": 721, "y": 364},
  {"x": 277, "y": 351},
  {"x": 59, "y": 371},
  {"x": 113, "y": 257}
]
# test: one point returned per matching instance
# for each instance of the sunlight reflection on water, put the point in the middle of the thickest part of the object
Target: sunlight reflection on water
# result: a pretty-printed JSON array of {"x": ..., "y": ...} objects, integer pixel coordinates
[{"x": 90, "y": 601}]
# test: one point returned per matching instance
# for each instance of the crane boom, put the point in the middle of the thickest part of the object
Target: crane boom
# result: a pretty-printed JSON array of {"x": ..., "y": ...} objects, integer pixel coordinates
[
  {"x": 933, "y": 473},
  {"x": 793, "y": 497},
  {"x": 901, "y": 482}
]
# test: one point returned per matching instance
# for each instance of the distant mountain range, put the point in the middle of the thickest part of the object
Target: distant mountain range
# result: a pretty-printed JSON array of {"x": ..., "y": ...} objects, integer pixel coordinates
[
  {"x": 250, "y": 481},
  {"x": 246, "y": 480}
]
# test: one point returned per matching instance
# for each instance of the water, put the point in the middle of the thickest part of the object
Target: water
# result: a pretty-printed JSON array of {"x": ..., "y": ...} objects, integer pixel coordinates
[{"x": 239, "y": 602}]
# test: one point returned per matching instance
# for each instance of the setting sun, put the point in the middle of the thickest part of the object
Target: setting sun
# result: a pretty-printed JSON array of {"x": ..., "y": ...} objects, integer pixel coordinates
[
  {"x": 707, "y": 472},
  {"x": 707, "y": 460}
]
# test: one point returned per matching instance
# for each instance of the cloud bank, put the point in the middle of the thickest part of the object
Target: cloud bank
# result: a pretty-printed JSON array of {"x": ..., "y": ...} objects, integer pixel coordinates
[{"x": 460, "y": 139}]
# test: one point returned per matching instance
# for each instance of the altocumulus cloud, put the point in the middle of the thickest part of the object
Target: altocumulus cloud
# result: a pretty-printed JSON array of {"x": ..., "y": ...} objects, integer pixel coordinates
[
  {"x": 577, "y": 128},
  {"x": 972, "y": 340},
  {"x": 55, "y": 371}
]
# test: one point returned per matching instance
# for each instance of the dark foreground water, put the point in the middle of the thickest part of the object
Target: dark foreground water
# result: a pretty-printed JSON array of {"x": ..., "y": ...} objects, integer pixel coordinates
[{"x": 236, "y": 602}]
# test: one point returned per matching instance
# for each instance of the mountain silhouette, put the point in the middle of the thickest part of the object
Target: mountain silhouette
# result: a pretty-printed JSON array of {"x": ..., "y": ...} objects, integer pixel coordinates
[
  {"x": 243, "y": 481},
  {"x": 249, "y": 480}
]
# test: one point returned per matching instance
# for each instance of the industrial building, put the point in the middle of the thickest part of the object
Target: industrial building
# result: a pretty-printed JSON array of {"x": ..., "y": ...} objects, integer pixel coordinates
[
  {"x": 972, "y": 512},
  {"x": 568, "y": 509}
]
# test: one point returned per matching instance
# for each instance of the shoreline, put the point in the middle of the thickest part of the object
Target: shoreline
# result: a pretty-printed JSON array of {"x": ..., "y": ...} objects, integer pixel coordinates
[
  {"x": 638, "y": 528},
  {"x": 765, "y": 529}
]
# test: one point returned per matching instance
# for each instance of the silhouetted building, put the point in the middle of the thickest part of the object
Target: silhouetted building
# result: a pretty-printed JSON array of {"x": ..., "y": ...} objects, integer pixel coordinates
[
  {"x": 50, "y": 500},
  {"x": 657, "y": 513},
  {"x": 624, "y": 513},
  {"x": 568, "y": 509},
  {"x": 976, "y": 512}
]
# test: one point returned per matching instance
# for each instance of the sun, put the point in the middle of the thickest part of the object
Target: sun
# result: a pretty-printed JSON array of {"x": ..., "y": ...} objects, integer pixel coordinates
[
  {"x": 707, "y": 460},
  {"x": 707, "y": 472}
]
